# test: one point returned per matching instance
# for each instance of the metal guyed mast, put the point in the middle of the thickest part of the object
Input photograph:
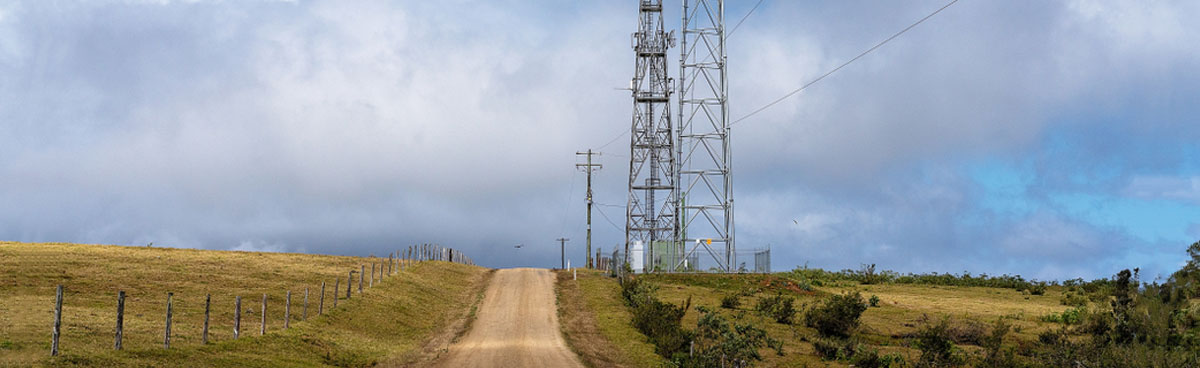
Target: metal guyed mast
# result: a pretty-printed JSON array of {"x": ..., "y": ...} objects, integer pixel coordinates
[
  {"x": 705, "y": 173},
  {"x": 651, "y": 215}
]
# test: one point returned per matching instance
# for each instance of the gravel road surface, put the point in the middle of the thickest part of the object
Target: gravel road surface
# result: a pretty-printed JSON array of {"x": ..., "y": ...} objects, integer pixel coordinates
[{"x": 516, "y": 325}]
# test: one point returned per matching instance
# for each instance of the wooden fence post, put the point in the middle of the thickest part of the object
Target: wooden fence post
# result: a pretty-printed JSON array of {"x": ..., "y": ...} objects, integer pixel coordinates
[
  {"x": 204, "y": 335},
  {"x": 237, "y": 317},
  {"x": 321, "y": 304},
  {"x": 362, "y": 270},
  {"x": 263, "y": 325},
  {"x": 336, "y": 288},
  {"x": 58, "y": 296},
  {"x": 390, "y": 264},
  {"x": 372, "y": 282},
  {"x": 120, "y": 319},
  {"x": 287, "y": 310},
  {"x": 349, "y": 284},
  {"x": 305, "y": 316},
  {"x": 167, "y": 333}
]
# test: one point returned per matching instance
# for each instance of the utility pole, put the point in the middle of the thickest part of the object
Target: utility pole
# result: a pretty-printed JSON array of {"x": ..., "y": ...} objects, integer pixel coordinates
[
  {"x": 562, "y": 251},
  {"x": 589, "y": 167}
]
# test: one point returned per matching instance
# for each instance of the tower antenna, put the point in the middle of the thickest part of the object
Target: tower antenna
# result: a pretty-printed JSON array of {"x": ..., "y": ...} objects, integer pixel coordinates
[{"x": 650, "y": 217}]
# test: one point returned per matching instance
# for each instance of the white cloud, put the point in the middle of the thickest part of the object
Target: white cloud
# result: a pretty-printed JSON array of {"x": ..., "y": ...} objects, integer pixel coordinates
[
  {"x": 1165, "y": 188},
  {"x": 261, "y": 246}
]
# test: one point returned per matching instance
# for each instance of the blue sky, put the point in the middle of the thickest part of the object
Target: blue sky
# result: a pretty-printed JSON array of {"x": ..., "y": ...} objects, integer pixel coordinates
[{"x": 1048, "y": 139}]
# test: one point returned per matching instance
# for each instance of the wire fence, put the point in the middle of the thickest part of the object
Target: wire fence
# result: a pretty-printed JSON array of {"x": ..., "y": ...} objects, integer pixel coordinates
[{"x": 381, "y": 268}]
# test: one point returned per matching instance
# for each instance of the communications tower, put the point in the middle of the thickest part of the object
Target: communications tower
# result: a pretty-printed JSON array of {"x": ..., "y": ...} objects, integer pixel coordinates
[
  {"x": 705, "y": 172},
  {"x": 651, "y": 211}
]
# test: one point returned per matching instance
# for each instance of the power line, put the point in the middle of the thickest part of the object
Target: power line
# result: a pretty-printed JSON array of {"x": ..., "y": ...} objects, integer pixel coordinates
[
  {"x": 739, "y": 23},
  {"x": 864, "y": 53},
  {"x": 623, "y": 133},
  {"x": 610, "y": 222}
]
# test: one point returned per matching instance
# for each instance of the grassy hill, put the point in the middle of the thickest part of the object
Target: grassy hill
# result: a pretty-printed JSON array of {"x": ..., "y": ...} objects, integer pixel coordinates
[
  {"x": 392, "y": 323},
  {"x": 893, "y": 325}
]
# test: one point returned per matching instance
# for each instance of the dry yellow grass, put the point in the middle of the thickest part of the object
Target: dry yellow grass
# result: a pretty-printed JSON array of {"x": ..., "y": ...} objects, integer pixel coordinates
[
  {"x": 902, "y": 305},
  {"x": 390, "y": 320}
]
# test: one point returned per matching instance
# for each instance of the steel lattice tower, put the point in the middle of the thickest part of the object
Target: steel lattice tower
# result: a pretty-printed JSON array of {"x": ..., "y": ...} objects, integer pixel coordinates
[
  {"x": 705, "y": 174},
  {"x": 650, "y": 215}
]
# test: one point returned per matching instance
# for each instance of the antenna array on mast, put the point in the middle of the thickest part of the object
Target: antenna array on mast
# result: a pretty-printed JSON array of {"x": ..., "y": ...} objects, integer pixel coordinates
[{"x": 650, "y": 217}]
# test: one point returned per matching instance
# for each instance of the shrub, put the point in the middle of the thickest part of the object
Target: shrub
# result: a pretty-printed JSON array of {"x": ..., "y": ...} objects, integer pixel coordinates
[
  {"x": 838, "y": 316},
  {"x": 994, "y": 355},
  {"x": 856, "y": 354},
  {"x": 731, "y": 301},
  {"x": 937, "y": 349},
  {"x": 867, "y": 275},
  {"x": 717, "y": 342},
  {"x": 658, "y": 320},
  {"x": 870, "y": 358},
  {"x": 1038, "y": 289},
  {"x": 1071, "y": 316},
  {"x": 1050, "y": 337},
  {"x": 636, "y": 291},
  {"x": 779, "y": 307},
  {"x": 874, "y": 300},
  {"x": 833, "y": 348},
  {"x": 1074, "y": 299},
  {"x": 970, "y": 332}
]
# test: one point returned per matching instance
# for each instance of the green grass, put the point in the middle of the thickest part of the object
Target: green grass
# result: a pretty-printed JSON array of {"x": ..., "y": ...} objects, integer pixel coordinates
[
  {"x": 388, "y": 323},
  {"x": 602, "y": 295}
]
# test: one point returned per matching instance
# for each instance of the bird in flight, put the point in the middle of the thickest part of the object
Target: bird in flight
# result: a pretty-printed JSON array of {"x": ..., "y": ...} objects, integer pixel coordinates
[{"x": 518, "y": 246}]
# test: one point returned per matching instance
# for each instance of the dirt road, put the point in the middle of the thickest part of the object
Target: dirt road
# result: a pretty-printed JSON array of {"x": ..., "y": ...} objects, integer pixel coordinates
[{"x": 516, "y": 326}]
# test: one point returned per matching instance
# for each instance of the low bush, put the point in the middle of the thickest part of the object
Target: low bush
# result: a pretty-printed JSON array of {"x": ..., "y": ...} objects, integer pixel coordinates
[
  {"x": 1071, "y": 316},
  {"x": 1074, "y": 299},
  {"x": 731, "y": 301},
  {"x": 1038, "y": 289},
  {"x": 838, "y": 316},
  {"x": 995, "y": 356},
  {"x": 867, "y": 274},
  {"x": 719, "y": 343},
  {"x": 874, "y": 300},
  {"x": 658, "y": 320},
  {"x": 870, "y": 358},
  {"x": 833, "y": 348},
  {"x": 935, "y": 343},
  {"x": 856, "y": 354},
  {"x": 970, "y": 332},
  {"x": 779, "y": 307}
]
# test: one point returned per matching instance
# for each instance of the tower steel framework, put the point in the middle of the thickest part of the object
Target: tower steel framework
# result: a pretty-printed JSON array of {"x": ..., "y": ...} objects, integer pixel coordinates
[
  {"x": 705, "y": 173},
  {"x": 651, "y": 212}
]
